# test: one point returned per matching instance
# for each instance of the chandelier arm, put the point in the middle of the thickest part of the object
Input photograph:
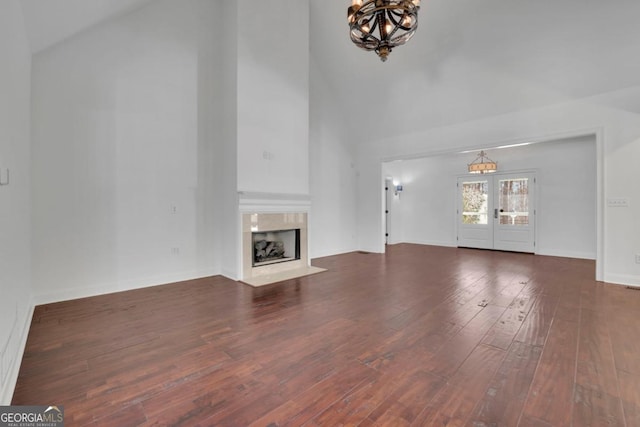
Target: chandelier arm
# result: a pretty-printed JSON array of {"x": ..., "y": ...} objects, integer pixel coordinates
[
  {"x": 381, "y": 23},
  {"x": 401, "y": 16},
  {"x": 394, "y": 22},
  {"x": 371, "y": 33},
  {"x": 366, "y": 37}
]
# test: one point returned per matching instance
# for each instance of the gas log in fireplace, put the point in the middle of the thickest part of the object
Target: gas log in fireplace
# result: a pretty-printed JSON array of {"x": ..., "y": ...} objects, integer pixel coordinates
[{"x": 271, "y": 247}]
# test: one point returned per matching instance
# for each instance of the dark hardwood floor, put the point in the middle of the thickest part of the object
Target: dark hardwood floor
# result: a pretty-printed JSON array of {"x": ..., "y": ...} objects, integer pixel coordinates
[{"x": 421, "y": 336}]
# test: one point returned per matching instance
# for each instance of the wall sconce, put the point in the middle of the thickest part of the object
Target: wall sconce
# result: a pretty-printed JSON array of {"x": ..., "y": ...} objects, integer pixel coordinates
[
  {"x": 4, "y": 177},
  {"x": 397, "y": 187}
]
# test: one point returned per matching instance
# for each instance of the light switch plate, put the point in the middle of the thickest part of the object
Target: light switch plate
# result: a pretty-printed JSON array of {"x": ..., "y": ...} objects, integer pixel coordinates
[{"x": 618, "y": 202}]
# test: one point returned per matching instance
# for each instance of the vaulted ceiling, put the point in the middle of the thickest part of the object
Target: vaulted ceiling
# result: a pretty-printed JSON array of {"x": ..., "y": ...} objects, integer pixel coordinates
[
  {"x": 50, "y": 21},
  {"x": 469, "y": 59},
  {"x": 472, "y": 59}
]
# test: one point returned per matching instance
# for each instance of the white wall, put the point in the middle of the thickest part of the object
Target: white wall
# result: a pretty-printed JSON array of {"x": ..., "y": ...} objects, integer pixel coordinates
[
  {"x": 125, "y": 139},
  {"x": 147, "y": 126},
  {"x": 421, "y": 213},
  {"x": 211, "y": 104},
  {"x": 230, "y": 249},
  {"x": 15, "y": 204},
  {"x": 333, "y": 217},
  {"x": 565, "y": 195},
  {"x": 273, "y": 96},
  {"x": 618, "y": 131}
]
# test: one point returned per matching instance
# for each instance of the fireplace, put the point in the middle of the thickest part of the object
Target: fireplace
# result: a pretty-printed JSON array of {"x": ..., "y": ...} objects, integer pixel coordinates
[{"x": 272, "y": 247}]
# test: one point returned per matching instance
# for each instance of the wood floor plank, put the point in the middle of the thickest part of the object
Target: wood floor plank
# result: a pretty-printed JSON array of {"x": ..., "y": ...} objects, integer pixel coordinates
[
  {"x": 501, "y": 335},
  {"x": 129, "y": 416},
  {"x": 596, "y": 395},
  {"x": 630, "y": 396},
  {"x": 529, "y": 421},
  {"x": 325, "y": 393},
  {"x": 456, "y": 401},
  {"x": 356, "y": 406},
  {"x": 535, "y": 327},
  {"x": 279, "y": 416},
  {"x": 551, "y": 396},
  {"x": 454, "y": 352},
  {"x": 421, "y": 335},
  {"x": 405, "y": 403},
  {"x": 623, "y": 327},
  {"x": 503, "y": 400}
]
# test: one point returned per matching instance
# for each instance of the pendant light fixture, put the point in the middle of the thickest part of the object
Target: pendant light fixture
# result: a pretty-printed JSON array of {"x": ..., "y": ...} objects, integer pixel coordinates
[
  {"x": 381, "y": 25},
  {"x": 482, "y": 164}
]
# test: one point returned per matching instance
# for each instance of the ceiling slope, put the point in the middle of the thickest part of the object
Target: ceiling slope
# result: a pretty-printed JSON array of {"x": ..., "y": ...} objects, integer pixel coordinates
[
  {"x": 51, "y": 21},
  {"x": 473, "y": 59}
]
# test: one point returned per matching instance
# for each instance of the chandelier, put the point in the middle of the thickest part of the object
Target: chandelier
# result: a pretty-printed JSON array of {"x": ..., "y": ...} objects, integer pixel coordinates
[
  {"x": 381, "y": 25},
  {"x": 482, "y": 164}
]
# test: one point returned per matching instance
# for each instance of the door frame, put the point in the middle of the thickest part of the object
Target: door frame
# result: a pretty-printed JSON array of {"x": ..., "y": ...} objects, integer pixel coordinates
[
  {"x": 388, "y": 188},
  {"x": 598, "y": 132},
  {"x": 536, "y": 200}
]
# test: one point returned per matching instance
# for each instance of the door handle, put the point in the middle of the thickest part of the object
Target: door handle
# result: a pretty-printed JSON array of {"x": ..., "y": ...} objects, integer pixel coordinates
[{"x": 495, "y": 213}]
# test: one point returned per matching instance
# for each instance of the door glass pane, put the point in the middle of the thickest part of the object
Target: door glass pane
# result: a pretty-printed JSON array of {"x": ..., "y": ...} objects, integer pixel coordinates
[
  {"x": 474, "y": 202},
  {"x": 514, "y": 201}
]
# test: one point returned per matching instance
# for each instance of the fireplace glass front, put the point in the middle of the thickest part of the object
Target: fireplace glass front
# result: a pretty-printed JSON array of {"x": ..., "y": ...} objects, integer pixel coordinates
[{"x": 271, "y": 247}]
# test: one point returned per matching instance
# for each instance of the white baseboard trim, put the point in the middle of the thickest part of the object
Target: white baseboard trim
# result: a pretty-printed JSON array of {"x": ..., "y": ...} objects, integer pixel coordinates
[
  {"x": 448, "y": 244},
  {"x": 373, "y": 250},
  {"x": 120, "y": 286},
  {"x": 545, "y": 252},
  {"x": 327, "y": 253},
  {"x": 231, "y": 275},
  {"x": 6, "y": 394},
  {"x": 622, "y": 279},
  {"x": 566, "y": 254}
]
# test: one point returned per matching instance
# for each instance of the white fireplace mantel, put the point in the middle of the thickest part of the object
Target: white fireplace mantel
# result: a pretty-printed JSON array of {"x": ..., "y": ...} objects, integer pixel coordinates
[{"x": 273, "y": 202}]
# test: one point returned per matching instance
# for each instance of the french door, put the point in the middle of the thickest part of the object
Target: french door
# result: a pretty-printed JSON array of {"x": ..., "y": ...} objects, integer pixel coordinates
[{"x": 497, "y": 212}]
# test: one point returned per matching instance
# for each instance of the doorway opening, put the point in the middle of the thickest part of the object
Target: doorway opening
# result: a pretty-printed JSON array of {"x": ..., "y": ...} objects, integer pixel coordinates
[{"x": 497, "y": 211}]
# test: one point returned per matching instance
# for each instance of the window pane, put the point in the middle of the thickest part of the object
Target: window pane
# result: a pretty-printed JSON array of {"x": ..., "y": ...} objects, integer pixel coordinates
[
  {"x": 514, "y": 201},
  {"x": 474, "y": 202}
]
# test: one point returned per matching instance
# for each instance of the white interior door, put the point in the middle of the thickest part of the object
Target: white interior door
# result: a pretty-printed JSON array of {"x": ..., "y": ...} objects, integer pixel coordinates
[{"x": 497, "y": 212}]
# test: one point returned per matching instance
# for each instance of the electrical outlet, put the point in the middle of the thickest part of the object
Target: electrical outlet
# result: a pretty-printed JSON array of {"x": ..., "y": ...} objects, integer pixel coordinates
[
  {"x": 637, "y": 258},
  {"x": 175, "y": 251}
]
